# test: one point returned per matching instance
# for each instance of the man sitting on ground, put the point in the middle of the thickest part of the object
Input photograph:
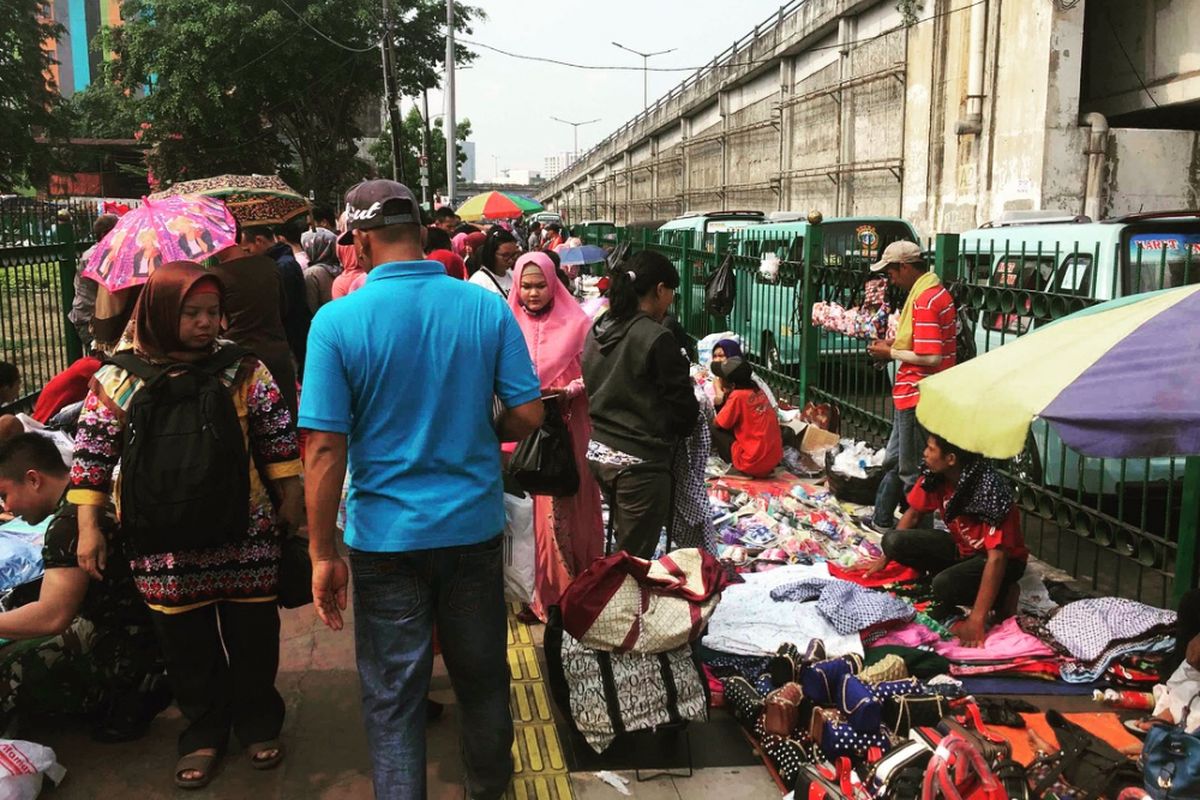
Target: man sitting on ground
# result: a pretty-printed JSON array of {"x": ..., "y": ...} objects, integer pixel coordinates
[
  {"x": 979, "y": 561},
  {"x": 80, "y": 647}
]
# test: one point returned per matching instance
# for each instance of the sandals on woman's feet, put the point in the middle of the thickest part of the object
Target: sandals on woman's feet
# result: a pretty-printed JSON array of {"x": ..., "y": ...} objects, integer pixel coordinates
[
  {"x": 203, "y": 763},
  {"x": 258, "y": 751}
]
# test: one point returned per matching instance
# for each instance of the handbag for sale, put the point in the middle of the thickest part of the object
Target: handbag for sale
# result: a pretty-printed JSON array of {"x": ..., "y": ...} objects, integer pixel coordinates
[
  {"x": 900, "y": 774},
  {"x": 294, "y": 588},
  {"x": 957, "y": 771},
  {"x": 889, "y": 668},
  {"x": 864, "y": 712},
  {"x": 835, "y": 737},
  {"x": 606, "y": 694},
  {"x": 993, "y": 746},
  {"x": 840, "y": 782},
  {"x": 903, "y": 713},
  {"x": 544, "y": 461},
  {"x": 1171, "y": 761},
  {"x": 886, "y": 689},
  {"x": 781, "y": 710},
  {"x": 822, "y": 681},
  {"x": 626, "y": 604},
  {"x": 743, "y": 700},
  {"x": 788, "y": 663},
  {"x": 1089, "y": 765}
]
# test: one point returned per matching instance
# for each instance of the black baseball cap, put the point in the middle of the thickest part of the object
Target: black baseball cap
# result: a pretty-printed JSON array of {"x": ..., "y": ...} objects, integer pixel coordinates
[
  {"x": 376, "y": 204},
  {"x": 732, "y": 369}
]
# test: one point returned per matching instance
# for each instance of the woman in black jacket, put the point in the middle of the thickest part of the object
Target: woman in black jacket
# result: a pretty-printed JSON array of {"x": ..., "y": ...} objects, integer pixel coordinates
[{"x": 641, "y": 399}]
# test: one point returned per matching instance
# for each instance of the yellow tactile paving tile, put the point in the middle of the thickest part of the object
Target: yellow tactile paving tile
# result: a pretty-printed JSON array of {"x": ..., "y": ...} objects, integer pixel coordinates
[{"x": 539, "y": 765}]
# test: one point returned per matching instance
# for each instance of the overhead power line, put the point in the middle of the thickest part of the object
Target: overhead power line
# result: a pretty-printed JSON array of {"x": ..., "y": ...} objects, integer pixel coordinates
[{"x": 325, "y": 36}]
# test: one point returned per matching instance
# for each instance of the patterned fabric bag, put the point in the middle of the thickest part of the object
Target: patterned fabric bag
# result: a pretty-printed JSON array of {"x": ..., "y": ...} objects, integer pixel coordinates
[
  {"x": 607, "y": 694},
  {"x": 624, "y": 604},
  {"x": 890, "y": 668}
]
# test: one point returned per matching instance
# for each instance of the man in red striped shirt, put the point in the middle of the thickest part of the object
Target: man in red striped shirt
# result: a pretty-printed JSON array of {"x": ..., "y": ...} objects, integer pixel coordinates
[{"x": 924, "y": 345}]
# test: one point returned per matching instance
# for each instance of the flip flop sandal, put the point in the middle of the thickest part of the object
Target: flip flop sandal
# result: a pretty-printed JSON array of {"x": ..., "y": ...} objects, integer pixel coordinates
[
  {"x": 205, "y": 764},
  {"x": 260, "y": 747}
]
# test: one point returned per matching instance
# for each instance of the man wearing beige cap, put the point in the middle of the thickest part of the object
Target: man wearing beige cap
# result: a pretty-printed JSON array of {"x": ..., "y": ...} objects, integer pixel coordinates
[{"x": 924, "y": 345}]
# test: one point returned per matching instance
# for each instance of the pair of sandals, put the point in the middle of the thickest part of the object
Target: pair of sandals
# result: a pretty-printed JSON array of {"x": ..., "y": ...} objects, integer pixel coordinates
[{"x": 201, "y": 766}]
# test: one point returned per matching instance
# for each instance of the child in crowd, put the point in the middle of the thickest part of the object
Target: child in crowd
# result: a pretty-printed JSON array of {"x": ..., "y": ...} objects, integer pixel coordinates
[
  {"x": 746, "y": 432},
  {"x": 979, "y": 561},
  {"x": 10, "y": 383}
]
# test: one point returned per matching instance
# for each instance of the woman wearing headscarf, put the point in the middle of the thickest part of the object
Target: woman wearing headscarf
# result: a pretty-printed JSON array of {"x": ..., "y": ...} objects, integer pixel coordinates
[
  {"x": 569, "y": 531},
  {"x": 320, "y": 246},
  {"x": 352, "y": 277},
  {"x": 726, "y": 349},
  {"x": 213, "y": 608}
]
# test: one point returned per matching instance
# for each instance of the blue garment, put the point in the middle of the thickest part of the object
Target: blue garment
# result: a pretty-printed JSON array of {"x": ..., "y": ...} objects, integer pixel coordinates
[
  {"x": 20, "y": 555},
  {"x": 850, "y": 608},
  {"x": 407, "y": 367},
  {"x": 905, "y": 446},
  {"x": 397, "y": 599}
]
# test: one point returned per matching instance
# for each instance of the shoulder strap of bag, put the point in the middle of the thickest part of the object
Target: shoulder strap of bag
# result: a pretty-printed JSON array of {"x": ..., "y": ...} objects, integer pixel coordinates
[
  {"x": 495, "y": 282},
  {"x": 224, "y": 358},
  {"x": 136, "y": 366}
]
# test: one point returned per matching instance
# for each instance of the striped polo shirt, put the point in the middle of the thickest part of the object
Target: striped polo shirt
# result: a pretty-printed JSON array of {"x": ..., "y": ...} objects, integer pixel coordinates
[{"x": 935, "y": 327}]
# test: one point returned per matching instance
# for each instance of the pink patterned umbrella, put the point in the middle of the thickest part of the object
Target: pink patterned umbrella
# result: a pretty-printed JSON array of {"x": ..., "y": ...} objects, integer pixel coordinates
[{"x": 186, "y": 227}]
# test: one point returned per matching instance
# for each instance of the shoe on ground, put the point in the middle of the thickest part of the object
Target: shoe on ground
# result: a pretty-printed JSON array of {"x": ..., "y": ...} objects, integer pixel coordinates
[{"x": 867, "y": 522}]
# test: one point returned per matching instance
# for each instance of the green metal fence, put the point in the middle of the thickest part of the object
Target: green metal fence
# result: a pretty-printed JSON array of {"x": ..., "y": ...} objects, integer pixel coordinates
[
  {"x": 1126, "y": 527},
  {"x": 39, "y": 250}
]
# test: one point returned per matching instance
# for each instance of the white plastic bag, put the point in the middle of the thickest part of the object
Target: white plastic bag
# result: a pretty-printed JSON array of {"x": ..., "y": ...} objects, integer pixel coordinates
[
  {"x": 519, "y": 549},
  {"x": 22, "y": 767}
]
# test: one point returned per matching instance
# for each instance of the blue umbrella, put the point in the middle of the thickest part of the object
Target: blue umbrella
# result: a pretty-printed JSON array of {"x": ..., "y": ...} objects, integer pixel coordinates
[{"x": 587, "y": 254}]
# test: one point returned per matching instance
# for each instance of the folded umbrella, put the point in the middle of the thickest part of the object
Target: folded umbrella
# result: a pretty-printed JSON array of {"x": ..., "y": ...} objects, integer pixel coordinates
[
  {"x": 179, "y": 228},
  {"x": 1114, "y": 381}
]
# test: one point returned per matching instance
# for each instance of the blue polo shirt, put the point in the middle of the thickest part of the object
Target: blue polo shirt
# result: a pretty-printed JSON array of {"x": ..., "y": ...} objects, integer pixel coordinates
[{"x": 407, "y": 367}]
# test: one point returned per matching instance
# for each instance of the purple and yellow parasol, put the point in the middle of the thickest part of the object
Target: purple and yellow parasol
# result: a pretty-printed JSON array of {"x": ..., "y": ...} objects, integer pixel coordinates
[{"x": 1117, "y": 380}]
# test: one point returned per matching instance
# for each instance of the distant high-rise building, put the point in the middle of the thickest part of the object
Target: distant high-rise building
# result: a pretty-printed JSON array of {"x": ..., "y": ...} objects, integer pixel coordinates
[
  {"x": 556, "y": 164},
  {"x": 518, "y": 177},
  {"x": 467, "y": 170}
]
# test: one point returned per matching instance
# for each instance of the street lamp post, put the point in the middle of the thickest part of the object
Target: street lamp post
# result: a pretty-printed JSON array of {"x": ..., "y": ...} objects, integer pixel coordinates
[
  {"x": 645, "y": 69},
  {"x": 575, "y": 125}
]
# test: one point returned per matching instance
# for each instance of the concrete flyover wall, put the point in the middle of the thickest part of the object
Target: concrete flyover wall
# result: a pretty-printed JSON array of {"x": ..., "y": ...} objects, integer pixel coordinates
[{"x": 837, "y": 106}]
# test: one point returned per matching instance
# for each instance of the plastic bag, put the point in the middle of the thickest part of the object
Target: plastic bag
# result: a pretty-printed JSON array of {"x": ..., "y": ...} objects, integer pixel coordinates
[
  {"x": 22, "y": 767},
  {"x": 519, "y": 550},
  {"x": 721, "y": 289}
]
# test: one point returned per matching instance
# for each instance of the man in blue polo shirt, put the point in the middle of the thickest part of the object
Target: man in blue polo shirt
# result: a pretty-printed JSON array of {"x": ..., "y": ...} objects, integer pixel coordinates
[{"x": 399, "y": 380}]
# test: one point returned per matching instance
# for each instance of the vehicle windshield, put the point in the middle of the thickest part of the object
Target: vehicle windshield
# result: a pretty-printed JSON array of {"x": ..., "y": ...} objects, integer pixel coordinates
[
  {"x": 1162, "y": 258},
  {"x": 849, "y": 242}
]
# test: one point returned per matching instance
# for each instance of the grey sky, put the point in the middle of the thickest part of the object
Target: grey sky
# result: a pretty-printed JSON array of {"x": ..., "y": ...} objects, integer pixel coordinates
[{"x": 510, "y": 101}]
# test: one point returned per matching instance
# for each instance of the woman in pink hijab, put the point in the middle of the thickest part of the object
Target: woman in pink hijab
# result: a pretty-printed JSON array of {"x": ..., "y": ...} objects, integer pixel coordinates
[{"x": 568, "y": 530}]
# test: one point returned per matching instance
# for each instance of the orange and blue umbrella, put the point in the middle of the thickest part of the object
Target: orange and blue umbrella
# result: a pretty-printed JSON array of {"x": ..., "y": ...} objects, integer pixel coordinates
[
  {"x": 184, "y": 227},
  {"x": 1117, "y": 380}
]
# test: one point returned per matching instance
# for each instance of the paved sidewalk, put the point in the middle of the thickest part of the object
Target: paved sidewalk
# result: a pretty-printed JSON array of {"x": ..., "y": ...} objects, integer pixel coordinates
[{"x": 327, "y": 750}]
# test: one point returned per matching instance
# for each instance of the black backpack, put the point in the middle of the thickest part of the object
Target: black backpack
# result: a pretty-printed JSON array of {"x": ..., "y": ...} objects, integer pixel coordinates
[
  {"x": 721, "y": 289},
  {"x": 964, "y": 341},
  {"x": 185, "y": 474}
]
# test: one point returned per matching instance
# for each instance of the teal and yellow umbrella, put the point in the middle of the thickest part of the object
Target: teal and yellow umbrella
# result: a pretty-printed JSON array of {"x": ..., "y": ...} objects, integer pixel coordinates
[{"x": 1118, "y": 380}]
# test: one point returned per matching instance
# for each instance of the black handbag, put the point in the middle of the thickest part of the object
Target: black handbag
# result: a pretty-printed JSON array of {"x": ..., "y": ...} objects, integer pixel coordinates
[
  {"x": 544, "y": 462},
  {"x": 294, "y": 587},
  {"x": 721, "y": 289}
]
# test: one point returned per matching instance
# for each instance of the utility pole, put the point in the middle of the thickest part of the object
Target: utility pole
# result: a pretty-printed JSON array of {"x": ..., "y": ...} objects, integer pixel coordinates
[
  {"x": 645, "y": 69},
  {"x": 389, "y": 86},
  {"x": 575, "y": 125},
  {"x": 425, "y": 150},
  {"x": 451, "y": 124}
]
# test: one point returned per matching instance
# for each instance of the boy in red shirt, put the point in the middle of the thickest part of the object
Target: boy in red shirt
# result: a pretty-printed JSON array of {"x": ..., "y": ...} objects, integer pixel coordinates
[
  {"x": 746, "y": 432},
  {"x": 979, "y": 561}
]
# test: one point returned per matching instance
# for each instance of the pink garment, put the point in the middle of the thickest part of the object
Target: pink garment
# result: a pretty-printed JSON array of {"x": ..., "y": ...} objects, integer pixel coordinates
[
  {"x": 555, "y": 337},
  {"x": 914, "y": 634},
  {"x": 1005, "y": 642},
  {"x": 343, "y": 284},
  {"x": 459, "y": 244},
  {"x": 569, "y": 531}
]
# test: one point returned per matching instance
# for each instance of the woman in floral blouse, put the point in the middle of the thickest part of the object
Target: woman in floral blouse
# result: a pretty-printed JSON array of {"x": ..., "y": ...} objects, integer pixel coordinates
[{"x": 189, "y": 590}]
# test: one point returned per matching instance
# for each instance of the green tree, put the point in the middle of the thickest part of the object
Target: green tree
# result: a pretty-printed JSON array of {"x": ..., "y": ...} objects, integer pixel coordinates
[
  {"x": 414, "y": 129},
  {"x": 104, "y": 110},
  {"x": 28, "y": 97},
  {"x": 266, "y": 85}
]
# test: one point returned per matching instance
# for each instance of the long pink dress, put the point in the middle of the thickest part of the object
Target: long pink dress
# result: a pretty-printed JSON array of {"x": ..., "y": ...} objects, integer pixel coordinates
[{"x": 569, "y": 531}]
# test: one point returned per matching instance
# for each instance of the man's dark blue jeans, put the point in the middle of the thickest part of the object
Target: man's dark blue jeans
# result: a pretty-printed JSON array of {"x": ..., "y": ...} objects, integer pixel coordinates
[
  {"x": 397, "y": 599},
  {"x": 903, "y": 464}
]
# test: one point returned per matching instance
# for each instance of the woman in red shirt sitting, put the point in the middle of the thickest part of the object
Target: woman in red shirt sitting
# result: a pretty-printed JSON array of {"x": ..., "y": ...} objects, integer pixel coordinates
[
  {"x": 746, "y": 432},
  {"x": 979, "y": 561}
]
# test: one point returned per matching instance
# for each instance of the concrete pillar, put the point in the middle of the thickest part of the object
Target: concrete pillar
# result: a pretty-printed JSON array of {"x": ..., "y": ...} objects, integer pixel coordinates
[
  {"x": 653, "y": 174},
  {"x": 627, "y": 166},
  {"x": 685, "y": 178},
  {"x": 723, "y": 109},
  {"x": 845, "y": 187},
  {"x": 787, "y": 81}
]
